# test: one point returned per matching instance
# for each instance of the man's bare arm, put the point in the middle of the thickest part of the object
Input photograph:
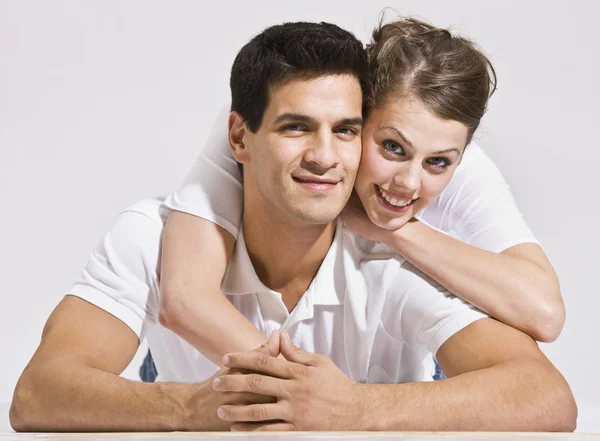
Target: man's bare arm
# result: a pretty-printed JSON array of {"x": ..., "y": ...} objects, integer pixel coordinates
[
  {"x": 72, "y": 382},
  {"x": 500, "y": 381}
]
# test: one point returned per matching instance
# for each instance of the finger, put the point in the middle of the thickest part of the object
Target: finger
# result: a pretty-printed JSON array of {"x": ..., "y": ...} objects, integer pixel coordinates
[
  {"x": 259, "y": 362},
  {"x": 273, "y": 344},
  {"x": 253, "y": 383},
  {"x": 297, "y": 355},
  {"x": 254, "y": 412},
  {"x": 263, "y": 427}
]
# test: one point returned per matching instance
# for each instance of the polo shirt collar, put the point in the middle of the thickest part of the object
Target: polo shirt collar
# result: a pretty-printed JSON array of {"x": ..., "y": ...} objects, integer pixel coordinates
[{"x": 327, "y": 288}]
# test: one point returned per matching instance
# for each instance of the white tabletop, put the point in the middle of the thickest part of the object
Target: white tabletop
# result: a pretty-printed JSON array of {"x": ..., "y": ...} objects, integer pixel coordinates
[{"x": 303, "y": 436}]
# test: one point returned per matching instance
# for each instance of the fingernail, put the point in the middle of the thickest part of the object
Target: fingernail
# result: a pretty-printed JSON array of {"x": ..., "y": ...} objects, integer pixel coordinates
[
  {"x": 221, "y": 413},
  {"x": 235, "y": 429},
  {"x": 225, "y": 360},
  {"x": 216, "y": 382}
]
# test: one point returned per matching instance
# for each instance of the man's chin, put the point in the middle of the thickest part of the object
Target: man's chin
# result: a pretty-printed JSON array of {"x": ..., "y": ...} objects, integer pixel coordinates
[{"x": 317, "y": 217}]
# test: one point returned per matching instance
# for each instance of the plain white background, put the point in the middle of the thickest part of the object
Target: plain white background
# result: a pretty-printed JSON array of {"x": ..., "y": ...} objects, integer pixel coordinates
[{"x": 106, "y": 102}]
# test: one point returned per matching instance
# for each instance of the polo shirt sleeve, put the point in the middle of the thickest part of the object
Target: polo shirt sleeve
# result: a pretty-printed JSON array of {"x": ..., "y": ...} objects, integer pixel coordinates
[
  {"x": 478, "y": 206},
  {"x": 421, "y": 312},
  {"x": 120, "y": 275},
  {"x": 213, "y": 188}
]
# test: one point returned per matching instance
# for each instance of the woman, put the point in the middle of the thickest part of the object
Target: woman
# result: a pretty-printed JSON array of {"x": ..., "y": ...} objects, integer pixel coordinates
[{"x": 430, "y": 90}]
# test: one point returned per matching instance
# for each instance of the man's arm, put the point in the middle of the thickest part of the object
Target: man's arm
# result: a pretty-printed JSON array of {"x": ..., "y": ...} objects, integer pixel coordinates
[
  {"x": 72, "y": 382},
  {"x": 500, "y": 381}
]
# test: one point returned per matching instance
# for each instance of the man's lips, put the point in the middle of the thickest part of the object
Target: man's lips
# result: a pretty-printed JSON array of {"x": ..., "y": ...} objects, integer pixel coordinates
[
  {"x": 316, "y": 184},
  {"x": 315, "y": 180}
]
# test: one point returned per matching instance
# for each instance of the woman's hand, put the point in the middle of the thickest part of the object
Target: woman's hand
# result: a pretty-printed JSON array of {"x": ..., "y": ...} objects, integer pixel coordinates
[{"x": 355, "y": 216}]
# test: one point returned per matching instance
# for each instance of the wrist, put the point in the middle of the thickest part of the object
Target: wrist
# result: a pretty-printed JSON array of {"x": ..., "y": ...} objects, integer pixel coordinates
[{"x": 365, "y": 418}]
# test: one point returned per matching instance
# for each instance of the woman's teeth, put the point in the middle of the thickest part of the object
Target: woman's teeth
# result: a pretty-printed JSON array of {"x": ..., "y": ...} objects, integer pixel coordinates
[{"x": 395, "y": 202}]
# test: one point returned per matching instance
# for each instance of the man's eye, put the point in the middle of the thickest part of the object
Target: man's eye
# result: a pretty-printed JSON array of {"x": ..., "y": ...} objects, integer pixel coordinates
[
  {"x": 392, "y": 147},
  {"x": 348, "y": 131},
  {"x": 293, "y": 128}
]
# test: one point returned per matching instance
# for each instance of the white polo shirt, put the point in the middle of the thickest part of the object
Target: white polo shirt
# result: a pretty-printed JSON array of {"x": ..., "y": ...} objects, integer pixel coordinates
[
  {"x": 371, "y": 312},
  {"x": 477, "y": 206}
]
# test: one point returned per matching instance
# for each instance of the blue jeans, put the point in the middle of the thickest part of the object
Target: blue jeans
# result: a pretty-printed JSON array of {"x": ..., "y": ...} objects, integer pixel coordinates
[
  {"x": 148, "y": 370},
  {"x": 439, "y": 375}
]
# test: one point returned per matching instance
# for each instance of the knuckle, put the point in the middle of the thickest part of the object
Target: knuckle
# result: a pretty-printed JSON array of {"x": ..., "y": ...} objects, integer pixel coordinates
[
  {"x": 300, "y": 370},
  {"x": 302, "y": 390},
  {"x": 322, "y": 359},
  {"x": 261, "y": 361},
  {"x": 255, "y": 381},
  {"x": 259, "y": 413}
]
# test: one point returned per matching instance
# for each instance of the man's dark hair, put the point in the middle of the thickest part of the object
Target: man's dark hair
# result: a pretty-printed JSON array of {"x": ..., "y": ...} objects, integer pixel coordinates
[{"x": 287, "y": 52}]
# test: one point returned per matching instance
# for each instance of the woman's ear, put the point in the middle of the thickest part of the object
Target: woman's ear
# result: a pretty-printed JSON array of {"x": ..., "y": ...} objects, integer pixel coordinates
[{"x": 237, "y": 138}]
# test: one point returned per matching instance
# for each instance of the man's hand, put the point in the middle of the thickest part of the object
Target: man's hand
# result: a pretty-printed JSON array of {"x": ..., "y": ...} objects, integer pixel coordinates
[
  {"x": 312, "y": 393},
  {"x": 206, "y": 401}
]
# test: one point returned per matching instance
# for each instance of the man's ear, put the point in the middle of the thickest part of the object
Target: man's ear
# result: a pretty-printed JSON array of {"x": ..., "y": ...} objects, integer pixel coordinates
[{"x": 237, "y": 138}]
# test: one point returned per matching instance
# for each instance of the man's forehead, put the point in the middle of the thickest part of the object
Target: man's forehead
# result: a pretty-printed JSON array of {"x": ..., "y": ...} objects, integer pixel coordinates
[{"x": 327, "y": 96}]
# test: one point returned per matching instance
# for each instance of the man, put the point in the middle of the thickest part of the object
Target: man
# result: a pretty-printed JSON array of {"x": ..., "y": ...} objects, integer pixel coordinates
[{"x": 295, "y": 268}]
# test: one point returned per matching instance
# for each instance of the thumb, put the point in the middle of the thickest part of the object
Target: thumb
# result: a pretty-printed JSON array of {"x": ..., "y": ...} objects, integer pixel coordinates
[
  {"x": 295, "y": 354},
  {"x": 271, "y": 347}
]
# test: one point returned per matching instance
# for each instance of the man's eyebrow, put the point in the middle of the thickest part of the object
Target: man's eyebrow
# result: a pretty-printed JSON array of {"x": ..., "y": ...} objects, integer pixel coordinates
[
  {"x": 297, "y": 117},
  {"x": 292, "y": 117},
  {"x": 357, "y": 121},
  {"x": 407, "y": 141}
]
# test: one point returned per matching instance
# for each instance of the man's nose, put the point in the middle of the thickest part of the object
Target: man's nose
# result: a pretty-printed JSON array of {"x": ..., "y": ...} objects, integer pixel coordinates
[{"x": 322, "y": 152}]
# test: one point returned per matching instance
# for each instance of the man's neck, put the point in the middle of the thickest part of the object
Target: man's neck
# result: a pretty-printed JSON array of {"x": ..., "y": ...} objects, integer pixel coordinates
[{"x": 286, "y": 255}]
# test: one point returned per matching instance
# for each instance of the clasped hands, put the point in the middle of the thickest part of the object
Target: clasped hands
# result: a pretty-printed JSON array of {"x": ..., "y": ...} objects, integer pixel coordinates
[{"x": 308, "y": 391}]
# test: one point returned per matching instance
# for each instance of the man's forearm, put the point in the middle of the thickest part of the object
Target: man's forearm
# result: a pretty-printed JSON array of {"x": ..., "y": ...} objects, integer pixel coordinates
[
  {"x": 517, "y": 395},
  {"x": 67, "y": 397}
]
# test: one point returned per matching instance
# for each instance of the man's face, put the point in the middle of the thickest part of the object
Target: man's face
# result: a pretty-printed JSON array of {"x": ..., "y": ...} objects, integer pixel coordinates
[{"x": 303, "y": 159}]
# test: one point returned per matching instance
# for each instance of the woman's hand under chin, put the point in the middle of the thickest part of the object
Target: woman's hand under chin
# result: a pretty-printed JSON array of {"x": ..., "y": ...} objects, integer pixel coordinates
[{"x": 355, "y": 217}]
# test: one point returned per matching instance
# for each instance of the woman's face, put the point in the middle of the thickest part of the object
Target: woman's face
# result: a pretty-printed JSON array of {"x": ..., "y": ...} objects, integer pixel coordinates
[{"x": 408, "y": 158}]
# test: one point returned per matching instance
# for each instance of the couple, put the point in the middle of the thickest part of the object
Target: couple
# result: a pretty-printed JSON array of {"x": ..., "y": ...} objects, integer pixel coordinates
[{"x": 352, "y": 321}]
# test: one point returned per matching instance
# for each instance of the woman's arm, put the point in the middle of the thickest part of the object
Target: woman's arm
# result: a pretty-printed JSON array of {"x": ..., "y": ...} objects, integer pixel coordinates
[
  {"x": 196, "y": 247},
  {"x": 517, "y": 286},
  {"x": 195, "y": 254}
]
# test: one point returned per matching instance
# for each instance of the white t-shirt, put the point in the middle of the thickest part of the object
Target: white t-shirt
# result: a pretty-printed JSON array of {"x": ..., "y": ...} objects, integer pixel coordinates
[
  {"x": 476, "y": 206},
  {"x": 376, "y": 316}
]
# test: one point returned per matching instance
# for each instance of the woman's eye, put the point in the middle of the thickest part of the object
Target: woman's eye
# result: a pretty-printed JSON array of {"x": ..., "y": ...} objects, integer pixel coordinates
[
  {"x": 392, "y": 147},
  {"x": 439, "y": 163}
]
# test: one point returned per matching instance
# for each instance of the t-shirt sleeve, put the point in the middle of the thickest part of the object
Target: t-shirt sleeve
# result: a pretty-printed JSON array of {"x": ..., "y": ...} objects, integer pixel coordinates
[
  {"x": 478, "y": 207},
  {"x": 422, "y": 312},
  {"x": 213, "y": 188},
  {"x": 120, "y": 275}
]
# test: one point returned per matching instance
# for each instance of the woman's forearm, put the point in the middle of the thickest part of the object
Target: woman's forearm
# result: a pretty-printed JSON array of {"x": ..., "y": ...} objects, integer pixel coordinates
[
  {"x": 518, "y": 286},
  {"x": 195, "y": 254}
]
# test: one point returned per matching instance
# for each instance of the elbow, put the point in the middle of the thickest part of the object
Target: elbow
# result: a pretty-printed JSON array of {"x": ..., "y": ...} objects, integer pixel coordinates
[
  {"x": 566, "y": 413},
  {"x": 169, "y": 314},
  {"x": 555, "y": 407},
  {"x": 547, "y": 313},
  {"x": 548, "y": 322},
  {"x": 172, "y": 313},
  {"x": 22, "y": 415}
]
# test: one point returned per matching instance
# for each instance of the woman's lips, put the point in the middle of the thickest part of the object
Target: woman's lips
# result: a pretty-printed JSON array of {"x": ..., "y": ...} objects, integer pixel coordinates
[{"x": 393, "y": 203}]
